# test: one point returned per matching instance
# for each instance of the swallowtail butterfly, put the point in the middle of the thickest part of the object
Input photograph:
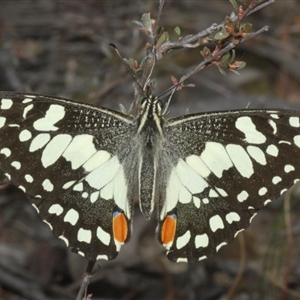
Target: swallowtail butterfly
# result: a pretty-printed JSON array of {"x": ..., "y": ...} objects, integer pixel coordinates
[{"x": 209, "y": 172}]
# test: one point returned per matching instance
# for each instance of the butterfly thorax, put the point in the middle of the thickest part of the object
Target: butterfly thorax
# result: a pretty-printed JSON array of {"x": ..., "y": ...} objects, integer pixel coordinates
[{"x": 150, "y": 136}]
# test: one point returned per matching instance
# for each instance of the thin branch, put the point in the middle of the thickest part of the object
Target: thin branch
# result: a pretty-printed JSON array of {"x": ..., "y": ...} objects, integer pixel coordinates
[
  {"x": 189, "y": 40},
  {"x": 212, "y": 58},
  {"x": 82, "y": 294}
]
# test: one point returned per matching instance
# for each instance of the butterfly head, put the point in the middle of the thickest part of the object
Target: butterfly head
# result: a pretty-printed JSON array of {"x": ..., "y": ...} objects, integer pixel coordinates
[
  {"x": 151, "y": 106},
  {"x": 151, "y": 113}
]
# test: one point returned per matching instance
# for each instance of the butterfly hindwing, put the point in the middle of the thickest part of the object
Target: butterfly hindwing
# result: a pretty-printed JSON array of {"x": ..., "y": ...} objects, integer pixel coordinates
[
  {"x": 225, "y": 166},
  {"x": 69, "y": 159}
]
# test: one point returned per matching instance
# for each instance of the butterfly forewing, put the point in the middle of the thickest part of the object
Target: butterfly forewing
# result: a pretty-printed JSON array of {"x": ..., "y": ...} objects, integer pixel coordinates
[
  {"x": 70, "y": 158},
  {"x": 225, "y": 166}
]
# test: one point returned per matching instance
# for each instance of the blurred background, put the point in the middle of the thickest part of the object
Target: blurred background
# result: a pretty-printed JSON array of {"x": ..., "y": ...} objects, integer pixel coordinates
[{"x": 61, "y": 48}]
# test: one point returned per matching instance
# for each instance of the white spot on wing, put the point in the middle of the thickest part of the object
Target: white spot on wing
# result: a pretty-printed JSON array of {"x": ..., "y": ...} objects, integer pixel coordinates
[
  {"x": 50, "y": 226},
  {"x": 80, "y": 150},
  {"x": 235, "y": 235},
  {"x": 110, "y": 179},
  {"x": 27, "y": 109},
  {"x": 182, "y": 259},
  {"x": 196, "y": 201},
  {"x": 54, "y": 114},
  {"x": 184, "y": 195},
  {"x": 216, "y": 158},
  {"x": 262, "y": 191},
  {"x": 84, "y": 235},
  {"x": 241, "y": 160},
  {"x": 285, "y": 142},
  {"x": 288, "y": 168},
  {"x": 216, "y": 223},
  {"x": 189, "y": 178},
  {"x": 36, "y": 208},
  {"x": 273, "y": 125},
  {"x": 213, "y": 193},
  {"x": 64, "y": 239},
  {"x": 47, "y": 185},
  {"x": 272, "y": 150},
  {"x": 232, "y": 217},
  {"x": 242, "y": 196},
  {"x": 267, "y": 201},
  {"x": 183, "y": 240},
  {"x": 294, "y": 122},
  {"x": 205, "y": 200},
  {"x": 107, "y": 192},
  {"x": 68, "y": 184},
  {"x": 21, "y": 187},
  {"x": 6, "y": 152},
  {"x": 99, "y": 158},
  {"x": 276, "y": 179},
  {"x": 94, "y": 197},
  {"x": 198, "y": 165},
  {"x": 81, "y": 253},
  {"x": 274, "y": 116},
  {"x": 202, "y": 257},
  {"x": 39, "y": 141},
  {"x": 257, "y": 154},
  {"x": 16, "y": 164},
  {"x": 220, "y": 246},
  {"x": 25, "y": 135},
  {"x": 103, "y": 236},
  {"x": 2, "y": 121},
  {"x": 201, "y": 240},
  {"x": 245, "y": 125},
  {"x": 103, "y": 256},
  {"x": 72, "y": 216},
  {"x": 54, "y": 149},
  {"x": 78, "y": 187},
  {"x": 6, "y": 103},
  {"x": 28, "y": 178},
  {"x": 55, "y": 209},
  {"x": 251, "y": 219},
  {"x": 27, "y": 100},
  {"x": 221, "y": 192},
  {"x": 297, "y": 140}
]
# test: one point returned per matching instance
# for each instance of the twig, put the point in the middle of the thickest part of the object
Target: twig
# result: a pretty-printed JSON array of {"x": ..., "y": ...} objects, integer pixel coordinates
[
  {"x": 82, "y": 294},
  {"x": 239, "y": 275},
  {"x": 212, "y": 58},
  {"x": 193, "y": 41},
  {"x": 290, "y": 244}
]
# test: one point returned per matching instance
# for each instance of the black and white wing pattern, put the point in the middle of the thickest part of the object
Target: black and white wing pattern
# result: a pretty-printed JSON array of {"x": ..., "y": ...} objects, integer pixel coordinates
[
  {"x": 72, "y": 160},
  {"x": 211, "y": 172},
  {"x": 218, "y": 170}
]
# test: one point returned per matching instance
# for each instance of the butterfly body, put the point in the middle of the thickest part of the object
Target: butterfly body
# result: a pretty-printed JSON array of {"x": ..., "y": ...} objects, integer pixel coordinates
[{"x": 209, "y": 173}]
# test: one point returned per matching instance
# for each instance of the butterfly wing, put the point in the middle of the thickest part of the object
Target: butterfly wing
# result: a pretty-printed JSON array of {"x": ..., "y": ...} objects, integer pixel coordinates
[
  {"x": 78, "y": 164},
  {"x": 218, "y": 169}
]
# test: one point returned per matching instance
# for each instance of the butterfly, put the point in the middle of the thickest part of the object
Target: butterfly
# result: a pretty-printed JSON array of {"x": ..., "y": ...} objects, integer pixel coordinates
[{"x": 207, "y": 173}]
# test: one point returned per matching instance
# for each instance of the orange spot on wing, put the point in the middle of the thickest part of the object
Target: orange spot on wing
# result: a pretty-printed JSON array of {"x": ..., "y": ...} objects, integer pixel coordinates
[
  {"x": 120, "y": 228},
  {"x": 168, "y": 229}
]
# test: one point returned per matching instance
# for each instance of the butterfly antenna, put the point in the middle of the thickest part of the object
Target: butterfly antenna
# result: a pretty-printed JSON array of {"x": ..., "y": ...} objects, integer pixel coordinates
[
  {"x": 172, "y": 89},
  {"x": 128, "y": 69}
]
